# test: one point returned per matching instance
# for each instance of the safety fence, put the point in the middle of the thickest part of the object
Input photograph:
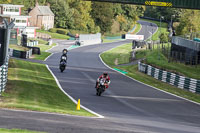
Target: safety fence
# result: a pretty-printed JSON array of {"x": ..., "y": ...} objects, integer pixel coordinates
[
  {"x": 3, "y": 75},
  {"x": 182, "y": 82}
]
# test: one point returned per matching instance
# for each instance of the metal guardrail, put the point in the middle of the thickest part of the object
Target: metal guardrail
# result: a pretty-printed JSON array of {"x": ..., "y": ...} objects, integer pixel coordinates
[
  {"x": 186, "y": 43},
  {"x": 192, "y": 85},
  {"x": 3, "y": 76}
]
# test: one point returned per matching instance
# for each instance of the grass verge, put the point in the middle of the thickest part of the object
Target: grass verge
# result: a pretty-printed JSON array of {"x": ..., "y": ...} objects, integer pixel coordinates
[
  {"x": 119, "y": 55},
  {"x": 44, "y": 54},
  {"x": 2, "y": 130},
  {"x": 109, "y": 58},
  {"x": 18, "y": 47},
  {"x": 32, "y": 87},
  {"x": 54, "y": 35}
]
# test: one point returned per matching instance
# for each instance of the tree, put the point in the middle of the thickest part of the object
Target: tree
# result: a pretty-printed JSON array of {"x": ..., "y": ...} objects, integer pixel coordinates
[
  {"x": 163, "y": 38},
  {"x": 103, "y": 15},
  {"x": 189, "y": 22}
]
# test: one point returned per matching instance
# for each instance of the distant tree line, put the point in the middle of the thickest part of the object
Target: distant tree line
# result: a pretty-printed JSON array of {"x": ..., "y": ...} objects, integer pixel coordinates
[
  {"x": 187, "y": 20},
  {"x": 95, "y": 17}
]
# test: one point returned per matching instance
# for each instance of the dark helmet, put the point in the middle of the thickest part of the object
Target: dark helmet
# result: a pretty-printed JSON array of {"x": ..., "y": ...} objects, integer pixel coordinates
[
  {"x": 65, "y": 51},
  {"x": 105, "y": 74}
]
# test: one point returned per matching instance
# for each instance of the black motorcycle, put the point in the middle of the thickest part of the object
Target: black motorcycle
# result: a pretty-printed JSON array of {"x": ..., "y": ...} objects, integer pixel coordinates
[
  {"x": 63, "y": 63},
  {"x": 101, "y": 87}
]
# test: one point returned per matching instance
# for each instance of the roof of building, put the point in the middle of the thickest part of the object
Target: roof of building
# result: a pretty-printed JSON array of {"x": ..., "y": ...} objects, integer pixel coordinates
[
  {"x": 9, "y": 5},
  {"x": 45, "y": 10}
]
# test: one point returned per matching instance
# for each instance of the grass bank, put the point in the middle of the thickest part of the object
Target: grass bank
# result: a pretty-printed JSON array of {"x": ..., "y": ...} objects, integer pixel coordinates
[
  {"x": 54, "y": 35},
  {"x": 43, "y": 47},
  {"x": 109, "y": 58},
  {"x": 117, "y": 56},
  {"x": 2, "y": 130},
  {"x": 18, "y": 47},
  {"x": 31, "y": 87}
]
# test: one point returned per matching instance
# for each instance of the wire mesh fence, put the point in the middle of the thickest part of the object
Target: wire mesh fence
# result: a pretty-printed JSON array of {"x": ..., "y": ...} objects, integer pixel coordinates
[{"x": 3, "y": 76}]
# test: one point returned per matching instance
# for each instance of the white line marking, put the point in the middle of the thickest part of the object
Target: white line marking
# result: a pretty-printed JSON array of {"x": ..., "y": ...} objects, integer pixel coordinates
[
  {"x": 99, "y": 116},
  {"x": 49, "y": 56},
  {"x": 51, "y": 53},
  {"x": 48, "y": 113}
]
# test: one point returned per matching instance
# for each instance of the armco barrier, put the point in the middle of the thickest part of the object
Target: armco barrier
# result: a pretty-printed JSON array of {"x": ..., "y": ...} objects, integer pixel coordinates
[
  {"x": 182, "y": 82},
  {"x": 3, "y": 76}
]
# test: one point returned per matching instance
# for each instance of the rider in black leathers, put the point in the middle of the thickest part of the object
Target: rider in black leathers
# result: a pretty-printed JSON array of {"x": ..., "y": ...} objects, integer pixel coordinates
[{"x": 64, "y": 56}]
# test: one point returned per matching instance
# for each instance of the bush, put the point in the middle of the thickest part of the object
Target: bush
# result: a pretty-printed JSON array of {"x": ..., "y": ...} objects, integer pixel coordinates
[
  {"x": 74, "y": 32},
  {"x": 62, "y": 31},
  {"x": 53, "y": 30}
]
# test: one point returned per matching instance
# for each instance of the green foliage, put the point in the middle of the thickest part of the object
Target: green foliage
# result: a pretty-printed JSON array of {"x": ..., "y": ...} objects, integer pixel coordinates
[
  {"x": 102, "y": 14},
  {"x": 189, "y": 22},
  {"x": 53, "y": 30},
  {"x": 163, "y": 38},
  {"x": 127, "y": 15},
  {"x": 156, "y": 12},
  {"x": 62, "y": 31},
  {"x": 54, "y": 35}
]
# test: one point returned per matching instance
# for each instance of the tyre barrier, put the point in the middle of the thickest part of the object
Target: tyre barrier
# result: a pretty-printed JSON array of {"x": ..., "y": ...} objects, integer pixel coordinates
[
  {"x": 192, "y": 85},
  {"x": 20, "y": 54},
  {"x": 32, "y": 43},
  {"x": 3, "y": 76},
  {"x": 35, "y": 50}
]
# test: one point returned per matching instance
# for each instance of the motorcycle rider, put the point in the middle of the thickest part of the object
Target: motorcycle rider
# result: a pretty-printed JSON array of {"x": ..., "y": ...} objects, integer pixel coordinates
[
  {"x": 107, "y": 80},
  {"x": 64, "y": 56}
]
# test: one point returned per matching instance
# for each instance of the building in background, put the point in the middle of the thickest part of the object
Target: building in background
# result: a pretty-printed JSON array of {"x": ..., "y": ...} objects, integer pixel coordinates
[
  {"x": 22, "y": 24},
  {"x": 42, "y": 17}
]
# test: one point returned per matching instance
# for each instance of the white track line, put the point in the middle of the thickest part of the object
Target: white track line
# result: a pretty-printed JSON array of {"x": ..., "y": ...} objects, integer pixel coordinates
[
  {"x": 51, "y": 53},
  {"x": 99, "y": 116},
  {"x": 142, "y": 82},
  {"x": 49, "y": 56}
]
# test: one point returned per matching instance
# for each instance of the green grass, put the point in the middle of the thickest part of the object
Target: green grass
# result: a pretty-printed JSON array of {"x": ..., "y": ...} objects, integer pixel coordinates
[
  {"x": 43, "y": 56},
  {"x": 32, "y": 87},
  {"x": 2, "y": 130},
  {"x": 175, "y": 67},
  {"x": 18, "y": 47},
  {"x": 162, "y": 29},
  {"x": 54, "y": 35},
  {"x": 157, "y": 34},
  {"x": 44, "y": 47},
  {"x": 109, "y": 58},
  {"x": 119, "y": 55},
  {"x": 110, "y": 40}
]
